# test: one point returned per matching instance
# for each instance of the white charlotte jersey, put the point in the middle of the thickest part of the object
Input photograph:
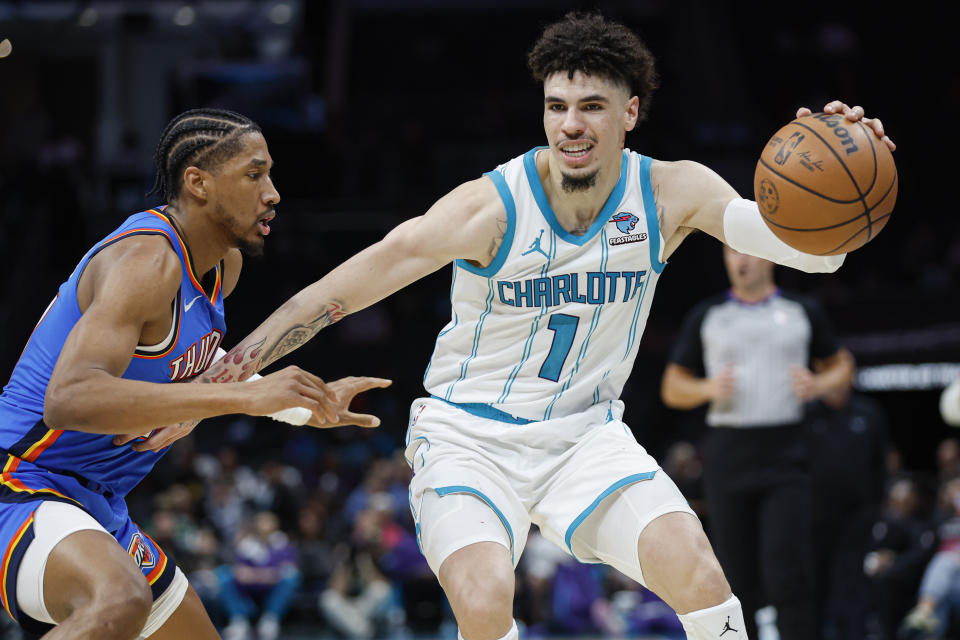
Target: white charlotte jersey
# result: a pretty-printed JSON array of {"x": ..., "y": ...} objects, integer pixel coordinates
[{"x": 552, "y": 325}]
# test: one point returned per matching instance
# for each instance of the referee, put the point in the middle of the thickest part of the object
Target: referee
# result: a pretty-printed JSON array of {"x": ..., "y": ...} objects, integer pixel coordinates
[{"x": 749, "y": 353}]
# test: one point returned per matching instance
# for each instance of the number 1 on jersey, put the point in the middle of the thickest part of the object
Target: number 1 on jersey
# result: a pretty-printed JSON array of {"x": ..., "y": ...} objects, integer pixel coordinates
[{"x": 564, "y": 329}]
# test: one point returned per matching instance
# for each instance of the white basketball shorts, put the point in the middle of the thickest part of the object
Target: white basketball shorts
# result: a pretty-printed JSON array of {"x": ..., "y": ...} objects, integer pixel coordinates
[{"x": 555, "y": 474}]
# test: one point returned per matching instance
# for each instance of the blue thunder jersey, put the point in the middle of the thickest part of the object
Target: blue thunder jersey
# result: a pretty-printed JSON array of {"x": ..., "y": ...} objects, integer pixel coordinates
[
  {"x": 552, "y": 325},
  {"x": 87, "y": 468}
]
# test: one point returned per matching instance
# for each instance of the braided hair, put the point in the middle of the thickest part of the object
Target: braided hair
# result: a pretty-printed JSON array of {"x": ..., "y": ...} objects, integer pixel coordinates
[
  {"x": 201, "y": 138},
  {"x": 593, "y": 45}
]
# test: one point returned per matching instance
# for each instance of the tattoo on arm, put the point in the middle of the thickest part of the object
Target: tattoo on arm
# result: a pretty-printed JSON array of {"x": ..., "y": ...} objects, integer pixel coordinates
[
  {"x": 298, "y": 334},
  {"x": 240, "y": 363},
  {"x": 498, "y": 239},
  {"x": 244, "y": 360}
]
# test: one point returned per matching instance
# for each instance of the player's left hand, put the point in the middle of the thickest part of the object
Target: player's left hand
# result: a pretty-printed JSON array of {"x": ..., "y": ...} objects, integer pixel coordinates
[
  {"x": 853, "y": 114},
  {"x": 346, "y": 389}
]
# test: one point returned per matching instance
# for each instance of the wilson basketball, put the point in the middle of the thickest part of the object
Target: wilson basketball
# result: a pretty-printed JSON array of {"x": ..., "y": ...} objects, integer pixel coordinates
[{"x": 825, "y": 185}]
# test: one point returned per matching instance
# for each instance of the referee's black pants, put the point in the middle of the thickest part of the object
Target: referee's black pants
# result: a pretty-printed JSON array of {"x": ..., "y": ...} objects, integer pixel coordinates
[{"x": 758, "y": 494}]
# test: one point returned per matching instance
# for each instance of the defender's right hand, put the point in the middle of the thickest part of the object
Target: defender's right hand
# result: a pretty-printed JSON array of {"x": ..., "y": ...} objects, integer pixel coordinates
[{"x": 291, "y": 387}]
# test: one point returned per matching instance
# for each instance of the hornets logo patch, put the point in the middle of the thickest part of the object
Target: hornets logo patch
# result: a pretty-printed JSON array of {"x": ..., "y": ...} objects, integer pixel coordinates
[{"x": 141, "y": 553}]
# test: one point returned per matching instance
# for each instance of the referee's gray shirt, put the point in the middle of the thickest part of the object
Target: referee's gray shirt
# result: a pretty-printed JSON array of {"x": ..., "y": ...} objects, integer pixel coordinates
[{"x": 763, "y": 341}]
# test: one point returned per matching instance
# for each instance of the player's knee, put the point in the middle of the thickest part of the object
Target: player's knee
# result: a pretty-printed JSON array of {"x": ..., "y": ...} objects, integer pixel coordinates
[
  {"x": 481, "y": 599},
  {"x": 121, "y": 607},
  {"x": 702, "y": 583},
  {"x": 489, "y": 596},
  {"x": 487, "y": 608},
  {"x": 711, "y": 586}
]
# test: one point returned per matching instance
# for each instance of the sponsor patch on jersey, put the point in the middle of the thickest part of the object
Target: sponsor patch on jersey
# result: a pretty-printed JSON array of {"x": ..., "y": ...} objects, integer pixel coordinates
[
  {"x": 626, "y": 222},
  {"x": 140, "y": 551}
]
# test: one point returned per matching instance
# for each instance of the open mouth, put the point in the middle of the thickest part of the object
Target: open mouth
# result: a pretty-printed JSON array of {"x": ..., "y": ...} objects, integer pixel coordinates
[
  {"x": 264, "y": 222},
  {"x": 575, "y": 152}
]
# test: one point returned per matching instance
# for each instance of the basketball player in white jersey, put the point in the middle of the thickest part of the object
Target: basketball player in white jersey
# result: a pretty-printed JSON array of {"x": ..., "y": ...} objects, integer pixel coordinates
[{"x": 556, "y": 254}]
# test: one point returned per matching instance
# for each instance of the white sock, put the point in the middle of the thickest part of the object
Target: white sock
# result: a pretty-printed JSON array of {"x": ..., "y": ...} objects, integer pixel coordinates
[
  {"x": 512, "y": 634},
  {"x": 722, "y": 622}
]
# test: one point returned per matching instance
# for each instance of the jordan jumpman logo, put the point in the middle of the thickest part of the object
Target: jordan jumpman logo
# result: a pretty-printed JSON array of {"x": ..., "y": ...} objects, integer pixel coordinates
[
  {"x": 727, "y": 627},
  {"x": 535, "y": 246}
]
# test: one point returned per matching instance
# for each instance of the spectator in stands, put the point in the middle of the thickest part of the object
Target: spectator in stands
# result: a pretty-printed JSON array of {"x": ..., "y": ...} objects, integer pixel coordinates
[
  {"x": 937, "y": 608},
  {"x": 948, "y": 459},
  {"x": 903, "y": 541},
  {"x": 263, "y": 577},
  {"x": 358, "y": 596}
]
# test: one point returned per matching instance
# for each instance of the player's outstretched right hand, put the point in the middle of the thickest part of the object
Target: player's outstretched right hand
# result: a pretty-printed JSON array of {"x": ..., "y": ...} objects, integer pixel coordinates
[{"x": 288, "y": 388}]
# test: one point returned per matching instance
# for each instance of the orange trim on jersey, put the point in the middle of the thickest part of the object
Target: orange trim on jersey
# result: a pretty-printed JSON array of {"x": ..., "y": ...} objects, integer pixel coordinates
[
  {"x": 42, "y": 445},
  {"x": 154, "y": 575},
  {"x": 135, "y": 231},
  {"x": 216, "y": 286},
  {"x": 186, "y": 256},
  {"x": 15, "y": 484},
  {"x": 6, "y": 562}
]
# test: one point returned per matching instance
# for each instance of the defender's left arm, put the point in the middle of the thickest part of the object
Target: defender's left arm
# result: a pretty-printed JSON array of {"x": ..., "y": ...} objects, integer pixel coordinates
[{"x": 692, "y": 197}]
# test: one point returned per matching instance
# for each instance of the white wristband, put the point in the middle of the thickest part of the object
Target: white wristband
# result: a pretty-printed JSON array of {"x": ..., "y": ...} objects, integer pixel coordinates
[
  {"x": 296, "y": 416},
  {"x": 745, "y": 231}
]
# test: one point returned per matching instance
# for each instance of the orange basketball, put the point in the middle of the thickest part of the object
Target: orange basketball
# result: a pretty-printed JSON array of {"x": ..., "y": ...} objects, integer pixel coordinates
[{"x": 825, "y": 185}]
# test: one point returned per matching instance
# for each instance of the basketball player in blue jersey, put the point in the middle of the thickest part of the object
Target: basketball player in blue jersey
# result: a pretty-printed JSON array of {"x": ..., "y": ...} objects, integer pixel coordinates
[
  {"x": 556, "y": 254},
  {"x": 144, "y": 307}
]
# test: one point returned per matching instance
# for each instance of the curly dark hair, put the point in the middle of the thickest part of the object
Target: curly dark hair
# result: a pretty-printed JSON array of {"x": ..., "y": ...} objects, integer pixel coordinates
[{"x": 591, "y": 44}]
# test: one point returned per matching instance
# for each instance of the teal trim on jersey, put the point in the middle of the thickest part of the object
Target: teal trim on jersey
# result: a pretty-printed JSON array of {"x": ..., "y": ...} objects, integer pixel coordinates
[
  {"x": 594, "y": 323},
  {"x": 491, "y": 269},
  {"x": 423, "y": 458},
  {"x": 534, "y": 327},
  {"x": 445, "y": 491},
  {"x": 486, "y": 411},
  {"x": 596, "y": 392},
  {"x": 476, "y": 341},
  {"x": 637, "y": 477},
  {"x": 416, "y": 518},
  {"x": 650, "y": 207},
  {"x": 631, "y": 338},
  {"x": 609, "y": 207}
]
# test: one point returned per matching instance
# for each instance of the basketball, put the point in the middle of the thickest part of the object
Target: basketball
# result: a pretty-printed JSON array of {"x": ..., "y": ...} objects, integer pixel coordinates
[{"x": 825, "y": 185}]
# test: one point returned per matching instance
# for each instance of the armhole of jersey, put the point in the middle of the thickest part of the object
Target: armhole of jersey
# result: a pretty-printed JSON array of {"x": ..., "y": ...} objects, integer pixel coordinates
[
  {"x": 161, "y": 349},
  {"x": 143, "y": 351},
  {"x": 650, "y": 208},
  {"x": 491, "y": 270}
]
